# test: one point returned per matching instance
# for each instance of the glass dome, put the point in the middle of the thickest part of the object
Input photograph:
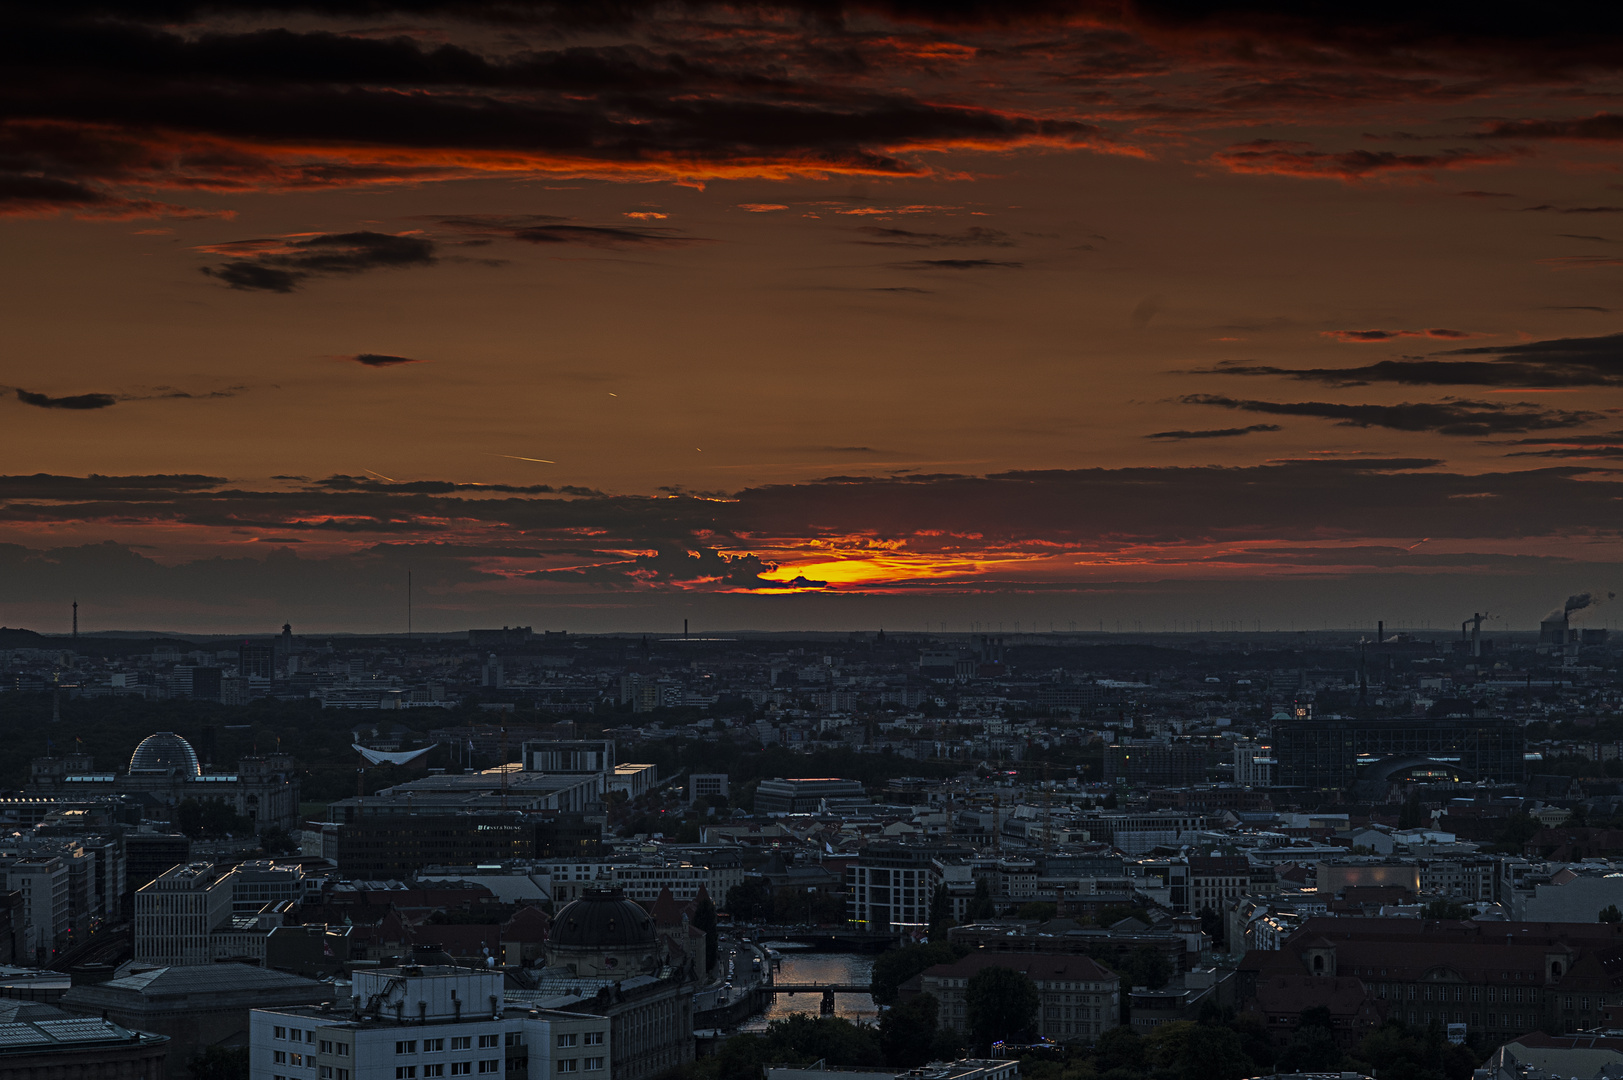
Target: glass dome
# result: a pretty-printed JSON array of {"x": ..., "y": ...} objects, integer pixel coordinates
[{"x": 164, "y": 753}]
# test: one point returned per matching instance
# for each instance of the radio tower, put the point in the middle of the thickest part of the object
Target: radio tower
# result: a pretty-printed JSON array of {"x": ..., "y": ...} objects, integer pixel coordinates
[{"x": 76, "y": 620}]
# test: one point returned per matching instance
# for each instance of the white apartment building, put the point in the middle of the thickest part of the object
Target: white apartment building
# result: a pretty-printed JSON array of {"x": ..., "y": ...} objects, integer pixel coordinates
[
  {"x": 1254, "y": 764},
  {"x": 44, "y": 883},
  {"x": 427, "y": 1023},
  {"x": 176, "y": 911}
]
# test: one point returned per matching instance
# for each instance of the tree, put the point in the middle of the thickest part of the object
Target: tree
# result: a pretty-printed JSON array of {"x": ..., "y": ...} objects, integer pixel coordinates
[
  {"x": 1609, "y": 913},
  {"x": 907, "y": 1032},
  {"x": 1041, "y": 910},
  {"x": 277, "y": 841},
  {"x": 1312, "y": 1047},
  {"x": 219, "y": 1063},
  {"x": 1146, "y": 966},
  {"x": 1119, "y": 1048},
  {"x": 999, "y": 1004},
  {"x": 1446, "y": 909},
  {"x": 1519, "y": 829},
  {"x": 1183, "y": 1050},
  {"x": 704, "y": 917},
  {"x": 750, "y": 900},
  {"x": 1211, "y": 924},
  {"x": 896, "y": 966},
  {"x": 940, "y": 913},
  {"x": 981, "y": 907}
]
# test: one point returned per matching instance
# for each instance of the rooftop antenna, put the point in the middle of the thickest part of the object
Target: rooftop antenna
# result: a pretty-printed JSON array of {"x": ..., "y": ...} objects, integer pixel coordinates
[
  {"x": 504, "y": 767},
  {"x": 408, "y": 605},
  {"x": 76, "y": 620}
]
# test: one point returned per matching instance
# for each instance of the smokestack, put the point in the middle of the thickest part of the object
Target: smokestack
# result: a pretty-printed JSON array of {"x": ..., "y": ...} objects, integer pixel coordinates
[{"x": 1380, "y": 631}]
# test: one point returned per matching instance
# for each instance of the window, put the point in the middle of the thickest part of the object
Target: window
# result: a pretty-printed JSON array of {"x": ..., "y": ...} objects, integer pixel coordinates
[
  {"x": 326, "y": 1072},
  {"x": 489, "y": 1040},
  {"x": 569, "y": 1065},
  {"x": 593, "y": 1038},
  {"x": 279, "y": 1057},
  {"x": 461, "y": 1068},
  {"x": 407, "y": 1046},
  {"x": 295, "y": 1035},
  {"x": 405, "y": 1072},
  {"x": 433, "y": 1070},
  {"x": 343, "y": 1074},
  {"x": 280, "y": 1033},
  {"x": 515, "y": 1038},
  {"x": 342, "y": 1048},
  {"x": 461, "y": 1042},
  {"x": 326, "y": 1046},
  {"x": 490, "y": 1065},
  {"x": 594, "y": 1064},
  {"x": 295, "y": 1059},
  {"x": 566, "y": 1040},
  {"x": 433, "y": 1046},
  {"x": 309, "y": 1036}
]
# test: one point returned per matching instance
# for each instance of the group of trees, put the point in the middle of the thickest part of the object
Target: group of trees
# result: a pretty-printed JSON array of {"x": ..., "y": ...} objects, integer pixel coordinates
[
  {"x": 1217, "y": 1046},
  {"x": 210, "y": 819}
]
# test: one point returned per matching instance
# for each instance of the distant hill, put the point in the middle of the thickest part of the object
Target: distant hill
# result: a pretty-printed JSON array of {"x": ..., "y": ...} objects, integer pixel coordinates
[{"x": 21, "y": 639}]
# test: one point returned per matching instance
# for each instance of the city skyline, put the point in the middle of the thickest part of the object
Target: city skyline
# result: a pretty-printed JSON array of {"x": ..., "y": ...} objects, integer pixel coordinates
[{"x": 807, "y": 316}]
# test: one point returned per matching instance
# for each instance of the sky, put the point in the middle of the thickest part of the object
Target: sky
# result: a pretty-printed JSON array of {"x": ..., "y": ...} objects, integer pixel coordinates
[{"x": 808, "y": 315}]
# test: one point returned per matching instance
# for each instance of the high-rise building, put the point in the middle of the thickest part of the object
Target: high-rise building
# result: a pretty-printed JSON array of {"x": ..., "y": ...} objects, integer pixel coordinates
[
  {"x": 176, "y": 912},
  {"x": 256, "y": 660}
]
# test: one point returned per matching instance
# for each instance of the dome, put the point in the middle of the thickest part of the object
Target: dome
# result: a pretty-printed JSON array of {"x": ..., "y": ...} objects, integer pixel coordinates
[
  {"x": 602, "y": 919},
  {"x": 164, "y": 753}
]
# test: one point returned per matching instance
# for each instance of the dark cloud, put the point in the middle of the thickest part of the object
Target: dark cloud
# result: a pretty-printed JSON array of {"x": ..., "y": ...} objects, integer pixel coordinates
[
  {"x": 1369, "y": 336},
  {"x": 1588, "y": 361},
  {"x": 1602, "y": 127},
  {"x": 76, "y": 402},
  {"x": 975, "y": 236},
  {"x": 1272, "y": 157},
  {"x": 1442, "y": 418},
  {"x": 684, "y": 566},
  {"x": 544, "y": 229},
  {"x": 380, "y": 360},
  {"x": 283, "y": 265},
  {"x": 1214, "y": 433},
  {"x": 956, "y": 264},
  {"x": 94, "y": 486},
  {"x": 25, "y": 195},
  {"x": 1546, "y": 208}
]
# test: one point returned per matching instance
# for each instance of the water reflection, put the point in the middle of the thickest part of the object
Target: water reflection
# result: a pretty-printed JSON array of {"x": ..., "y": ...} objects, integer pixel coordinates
[{"x": 816, "y": 967}]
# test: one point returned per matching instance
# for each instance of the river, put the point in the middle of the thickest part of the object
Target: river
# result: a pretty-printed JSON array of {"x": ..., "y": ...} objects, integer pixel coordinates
[{"x": 805, "y": 966}]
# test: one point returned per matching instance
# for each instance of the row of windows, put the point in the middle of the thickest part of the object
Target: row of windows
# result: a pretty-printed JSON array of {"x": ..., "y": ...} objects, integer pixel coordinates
[
  {"x": 590, "y": 1038},
  {"x": 1519, "y": 994},
  {"x": 458, "y": 1068},
  {"x": 434, "y": 1046}
]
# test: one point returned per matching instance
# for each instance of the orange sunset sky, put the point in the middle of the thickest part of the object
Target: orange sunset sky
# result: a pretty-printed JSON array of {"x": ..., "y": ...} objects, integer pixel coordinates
[{"x": 808, "y": 314}]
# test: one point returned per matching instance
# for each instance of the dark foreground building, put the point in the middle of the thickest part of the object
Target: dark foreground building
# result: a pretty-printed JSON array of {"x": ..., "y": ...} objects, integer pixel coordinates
[{"x": 1331, "y": 754}]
